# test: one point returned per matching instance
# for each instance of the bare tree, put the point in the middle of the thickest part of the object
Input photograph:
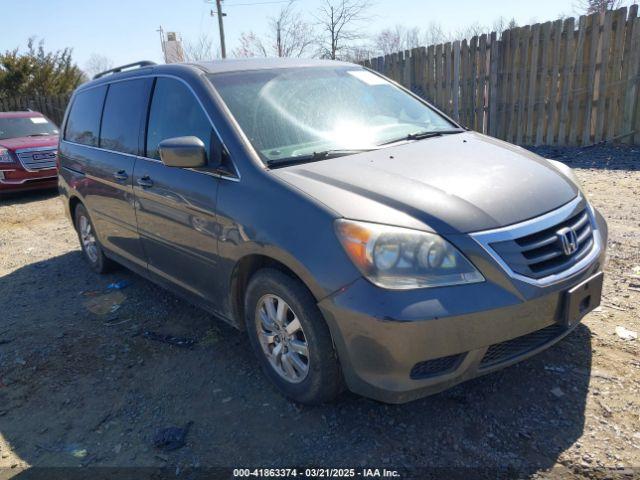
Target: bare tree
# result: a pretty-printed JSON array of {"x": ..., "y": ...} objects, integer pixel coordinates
[
  {"x": 250, "y": 46},
  {"x": 338, "y": 21},
  {"x": 358, "y": 53},
  {"x": 501, "y": 24},
  {"x": 200, "y": 49},
  {"x": 387, "y": 41},
  {"x": 596, "y": 6},
  {"x": 397, "y": 38},
  {"x": 97, "y": 63},
  {"x": 289, "y": 36},
  {"x": 472, "y": 30},
  {"x": 435, "y": 34},
  {"x": 412, "y": 38}
]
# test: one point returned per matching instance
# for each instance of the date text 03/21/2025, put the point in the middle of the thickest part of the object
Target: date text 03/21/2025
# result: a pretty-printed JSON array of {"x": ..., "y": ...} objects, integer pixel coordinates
[{"x": 316, "y": 473}]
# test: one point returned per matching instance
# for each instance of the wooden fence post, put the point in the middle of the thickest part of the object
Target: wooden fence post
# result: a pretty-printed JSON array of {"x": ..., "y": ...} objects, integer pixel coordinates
[
  {"x": 439, "y": 97},
  {"x": 631, "y": 77},
  {"x": 492, "y": 91},
  {"x": 533, "y": 83},
  {"x": 481, "y": 99},
  {"x": 522, "y": 87},
  {"x": 447, "y": 78},
  {"x": 513, "y": 110},
  {"x": 555, "y": 84},
  {"x": 615, "y": 84},
  {"x": 579, "y": 81},
  {"x": 601, "y": 77},
  {"x": 541, "y": 100},
  {"x": 456, "y": 80},
  {"x": 566, "y": 80}
]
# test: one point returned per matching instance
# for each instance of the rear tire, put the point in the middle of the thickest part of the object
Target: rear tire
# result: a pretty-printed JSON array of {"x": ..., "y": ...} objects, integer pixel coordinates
[
  {"x": 291, "y": 339},
  {"x": 91, "y": 249}
]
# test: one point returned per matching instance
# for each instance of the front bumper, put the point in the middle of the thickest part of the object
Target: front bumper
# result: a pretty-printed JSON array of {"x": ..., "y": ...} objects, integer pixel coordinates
[
  {"x": 396, "y": 346},
  {"x": 19, "y": 180}
]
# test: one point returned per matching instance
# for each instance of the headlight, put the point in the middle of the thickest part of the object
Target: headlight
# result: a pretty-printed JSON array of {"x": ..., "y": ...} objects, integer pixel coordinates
[
  {"x": 401, "y": 258},
  {"x": 5, "y": 156}
]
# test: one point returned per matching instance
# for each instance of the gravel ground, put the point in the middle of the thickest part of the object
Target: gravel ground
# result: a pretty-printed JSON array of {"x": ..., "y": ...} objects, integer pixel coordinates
[{"x": 81, "y": 386}]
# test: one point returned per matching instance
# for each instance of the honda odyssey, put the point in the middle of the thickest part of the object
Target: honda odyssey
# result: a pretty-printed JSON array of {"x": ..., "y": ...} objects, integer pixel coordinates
[{"x": 358, "y": 235}]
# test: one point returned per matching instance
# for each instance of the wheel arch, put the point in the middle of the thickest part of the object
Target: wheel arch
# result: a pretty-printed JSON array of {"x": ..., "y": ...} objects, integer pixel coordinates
[
  {"x": 246, "y": 267},
  {"x": 73, "y": 203}
]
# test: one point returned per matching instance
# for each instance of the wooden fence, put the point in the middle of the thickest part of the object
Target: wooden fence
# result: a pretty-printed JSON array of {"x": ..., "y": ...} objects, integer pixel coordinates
[
  {"x": 556, "y": 83},
  {"x": 51, "y": 106}
]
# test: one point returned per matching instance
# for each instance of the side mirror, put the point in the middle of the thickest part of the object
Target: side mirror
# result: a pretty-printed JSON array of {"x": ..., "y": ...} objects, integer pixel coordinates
[{"x": 185, "y": 152}]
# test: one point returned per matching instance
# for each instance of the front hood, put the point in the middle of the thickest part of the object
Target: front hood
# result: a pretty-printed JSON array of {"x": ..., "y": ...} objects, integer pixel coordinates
[
  {"x": 29, "y": 142},
  {"x": 451, "y": 184}
]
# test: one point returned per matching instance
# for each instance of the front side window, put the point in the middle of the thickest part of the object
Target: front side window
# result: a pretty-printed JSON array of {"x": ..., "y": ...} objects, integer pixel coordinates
[
  {"x": 123, "y": 111},
  {"x": 83, "y": 125},
  {"x": 175, "y": 112},
  {"x": 294, "y": 112},
  {"x": 35, "y": 126}
]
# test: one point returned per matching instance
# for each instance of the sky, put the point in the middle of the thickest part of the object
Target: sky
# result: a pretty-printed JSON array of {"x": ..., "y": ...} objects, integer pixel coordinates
[{"x": 126, "y": 31}]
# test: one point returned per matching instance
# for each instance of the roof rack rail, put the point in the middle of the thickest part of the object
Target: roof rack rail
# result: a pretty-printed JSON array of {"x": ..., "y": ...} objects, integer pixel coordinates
[{"x": 143, "y": 63}]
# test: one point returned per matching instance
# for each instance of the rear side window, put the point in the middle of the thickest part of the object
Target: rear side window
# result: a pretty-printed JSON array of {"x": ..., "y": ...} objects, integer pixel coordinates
[
  {"x": 123, "y": 111},
  {"x": 83, "y": 124},
  {"x": 175, "y": 112}
]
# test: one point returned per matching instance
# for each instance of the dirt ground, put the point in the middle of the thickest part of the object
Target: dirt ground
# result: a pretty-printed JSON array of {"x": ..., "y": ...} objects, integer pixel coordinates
[{"x": 81, "y": 386}]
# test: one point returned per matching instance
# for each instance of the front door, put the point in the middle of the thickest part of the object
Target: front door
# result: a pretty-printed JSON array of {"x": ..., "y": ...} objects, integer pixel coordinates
[{"x": 175, "y": 207}]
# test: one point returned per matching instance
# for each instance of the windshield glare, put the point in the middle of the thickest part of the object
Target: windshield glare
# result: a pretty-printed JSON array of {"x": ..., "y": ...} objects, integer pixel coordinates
[
  {"x": 25, "y": 127},
  {"x": 287, "y": 113}
]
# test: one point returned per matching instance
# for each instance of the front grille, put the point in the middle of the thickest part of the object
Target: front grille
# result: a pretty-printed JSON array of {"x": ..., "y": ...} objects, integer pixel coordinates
[
  {"x": 505, "y": 351},
  {"x": 437, "y": 366},
  {"x": 540, "y": 254},
  {"x": 37, "y": 159}
]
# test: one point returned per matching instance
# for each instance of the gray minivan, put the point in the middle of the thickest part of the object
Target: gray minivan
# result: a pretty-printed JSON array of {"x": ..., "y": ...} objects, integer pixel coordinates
[{"x": 360, "y": 236}]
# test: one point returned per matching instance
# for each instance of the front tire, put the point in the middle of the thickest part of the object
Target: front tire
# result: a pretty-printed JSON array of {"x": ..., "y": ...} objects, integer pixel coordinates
[
  {"x": 291, "y": 339},
  {"x": 91, "y": 249}
]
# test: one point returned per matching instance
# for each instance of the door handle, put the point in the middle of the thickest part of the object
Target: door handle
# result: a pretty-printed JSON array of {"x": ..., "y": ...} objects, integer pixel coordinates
[
  {"x": 120, "y": 175},
  {"x": 145, "y": 181}
]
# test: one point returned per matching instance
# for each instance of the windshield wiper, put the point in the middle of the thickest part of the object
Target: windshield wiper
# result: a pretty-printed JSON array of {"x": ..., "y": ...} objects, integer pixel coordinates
[
  {"x": 39, "y": 135},
  {"x": 314, "y": 157},
  {"x": 422, "y": 135}
]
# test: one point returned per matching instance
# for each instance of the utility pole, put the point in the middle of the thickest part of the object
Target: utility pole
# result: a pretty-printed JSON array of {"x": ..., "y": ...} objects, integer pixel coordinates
[
  {"x": 223, "y": 50},
  {"x": 161, "y": 32}
]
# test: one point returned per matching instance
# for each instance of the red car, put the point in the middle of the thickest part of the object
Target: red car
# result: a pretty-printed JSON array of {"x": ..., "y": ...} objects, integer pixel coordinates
[{"x": 28, "y": 152}]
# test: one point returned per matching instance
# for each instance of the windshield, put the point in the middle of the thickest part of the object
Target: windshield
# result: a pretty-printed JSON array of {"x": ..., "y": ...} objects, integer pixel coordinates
[
  {"x": 26, "y": 127},
  {"x": 289, "y": 113}
]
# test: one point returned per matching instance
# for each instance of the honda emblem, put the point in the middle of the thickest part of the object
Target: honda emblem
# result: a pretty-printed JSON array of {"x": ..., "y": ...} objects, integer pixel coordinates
[{"x": 568, "y": 240}]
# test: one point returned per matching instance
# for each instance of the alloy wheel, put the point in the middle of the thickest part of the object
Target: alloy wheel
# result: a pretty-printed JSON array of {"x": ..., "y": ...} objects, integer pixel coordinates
[
  {"x": 88, "y": 239},
  {"x": 282, "y": 338}
]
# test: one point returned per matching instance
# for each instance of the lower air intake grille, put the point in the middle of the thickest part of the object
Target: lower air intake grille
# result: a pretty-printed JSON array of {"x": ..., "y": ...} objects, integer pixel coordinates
[
  {"x": 505, "y": 351},
  {"x": 437, "y": 366}
]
